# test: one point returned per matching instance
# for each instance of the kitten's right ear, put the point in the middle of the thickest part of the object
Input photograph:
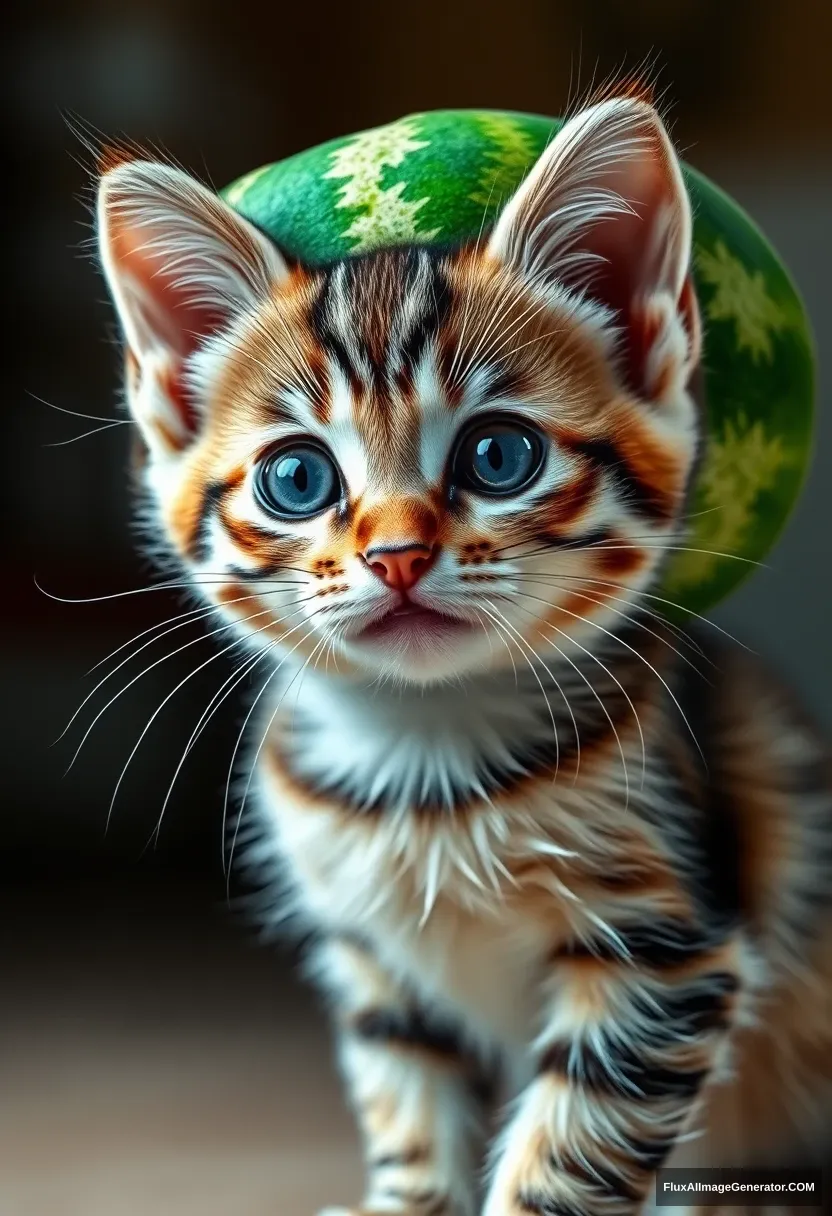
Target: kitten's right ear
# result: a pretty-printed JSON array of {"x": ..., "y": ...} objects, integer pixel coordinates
[{"x": 181, "y": 267}]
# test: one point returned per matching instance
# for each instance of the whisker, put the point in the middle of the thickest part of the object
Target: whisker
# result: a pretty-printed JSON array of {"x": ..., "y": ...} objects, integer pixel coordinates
[
  {"x": 502, "y": 308},
  {"x": 96, "y": 430},
  {"x": 518, "y": 639},
  {"x": 212, "y": 658},
  {"x": 481, "y": 352},
  {"x": 578, "y": 543},
  {"x": 505, "y": 643},
  {"x": 632, "y": 620},
  {"x": 614, "y": 548},
  {"x": 600, "y": 701},
  {"x": 676, "y": 630},
  {"x": 329, "y": 635},
  {"x": 647, "y": 595},
  {"x": 658, "y": 675},
  {"x": 247, "y": 719},
  {"x": 76, "y": 414},
  {"x": 485, "y": 631},
  {"x": 180, "y": 616},
  {"x": 460, "y": 343},
  {"x": 113, "y": 595},
  {"x": 611, "y": 676},
  {"x": 213, "y": 705},
  {"x": 156, "y": 663},
  {"x": 209, "y": 580},
  {"x": 260, "y": 746},
  {"x": 194, "y": 617}
]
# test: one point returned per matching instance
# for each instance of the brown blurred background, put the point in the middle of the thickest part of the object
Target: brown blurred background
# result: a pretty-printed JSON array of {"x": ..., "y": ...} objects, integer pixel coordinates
[{"x": 152, "y": 1059}]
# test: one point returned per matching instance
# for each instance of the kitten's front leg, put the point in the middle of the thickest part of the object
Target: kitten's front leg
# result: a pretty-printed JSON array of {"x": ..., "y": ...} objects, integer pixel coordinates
[
  {"x": 412, "y": 1086},
  {"x": 623, "y": 1056}
]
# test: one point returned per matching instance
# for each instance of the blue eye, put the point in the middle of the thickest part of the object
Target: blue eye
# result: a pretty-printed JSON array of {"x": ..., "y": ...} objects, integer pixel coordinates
[
  {"x": 298, "y": 481},
  {"x": 499, "y": 457}
]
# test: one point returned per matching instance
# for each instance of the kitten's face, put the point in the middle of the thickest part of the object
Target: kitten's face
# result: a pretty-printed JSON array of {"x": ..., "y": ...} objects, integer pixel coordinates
[{"x": 415, "y": 464}]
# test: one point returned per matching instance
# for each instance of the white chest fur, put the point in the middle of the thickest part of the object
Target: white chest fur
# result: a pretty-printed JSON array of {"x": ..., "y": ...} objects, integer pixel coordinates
[
  {"x": 435, "y": 891},
  {"x": 448, "y": 934}
]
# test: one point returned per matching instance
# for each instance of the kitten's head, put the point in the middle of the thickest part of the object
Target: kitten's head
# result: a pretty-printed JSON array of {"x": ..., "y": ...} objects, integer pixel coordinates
[{"x": 427, "y": 462}]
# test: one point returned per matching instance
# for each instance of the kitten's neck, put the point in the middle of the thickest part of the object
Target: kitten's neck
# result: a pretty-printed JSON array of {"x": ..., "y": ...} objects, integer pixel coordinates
[{"x": 405, "y": 747}]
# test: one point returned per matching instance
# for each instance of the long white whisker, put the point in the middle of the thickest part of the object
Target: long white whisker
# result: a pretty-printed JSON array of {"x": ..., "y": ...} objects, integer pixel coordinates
[
  {"x": 583, "y": 578},
  {"x": 76, "y": 414},
  {"x": 508, "y": 650},
  {"x": 260, "y": 747},
  {"x": 554, "y": 681},
  {"x": 676, "y": 630},
  {"x": 96, "y": 430},
  {"x": 658, "y": 675},
  {"x": 604, "y": 603},
  {"x": 247, "y": 719},
  {"x": 184, "y": 585},
  {"x": 482, "y": 352},
  {"x": 198, "y": 614},
  {"x": 501, "y": 340},
  {"x": 150, "y": 666},
  {"x": 499, "y": 620},
  {"x": 662, "y": 548},
  {"x": 594, "y": 691},
  {"x": 211, "y": 659},
  {"x": 154, "y": 628},
  {"x": 225, "y": 689}
]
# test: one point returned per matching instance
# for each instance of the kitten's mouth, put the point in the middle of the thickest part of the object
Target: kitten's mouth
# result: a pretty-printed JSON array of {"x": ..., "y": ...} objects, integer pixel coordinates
[{"x": 413, "y": 626}]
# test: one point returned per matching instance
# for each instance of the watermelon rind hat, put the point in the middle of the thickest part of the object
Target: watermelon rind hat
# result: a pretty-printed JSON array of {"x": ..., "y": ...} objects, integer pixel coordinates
[{"x": 435, "y": 177}]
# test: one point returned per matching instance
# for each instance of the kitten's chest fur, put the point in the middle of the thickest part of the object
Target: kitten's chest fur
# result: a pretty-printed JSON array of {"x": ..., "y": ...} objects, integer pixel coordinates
[{"x": 419, "y": 822}]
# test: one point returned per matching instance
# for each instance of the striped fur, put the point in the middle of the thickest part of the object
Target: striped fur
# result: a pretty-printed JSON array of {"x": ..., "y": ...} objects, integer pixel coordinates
[{"x": 550, "y": 840}]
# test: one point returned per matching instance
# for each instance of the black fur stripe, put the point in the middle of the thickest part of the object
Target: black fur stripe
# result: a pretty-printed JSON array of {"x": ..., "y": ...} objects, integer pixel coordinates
[
  {"x": 418, "y": 1154},
  {"x": 320, "y": 322},
  {"x": 437, "y": 301},
  {"x": 649, "y": 1154},
  {"x": 697, "y": 1008},
  {"x": 257, "y": 574},
  {"x": 538, "y": 1204},
  {"x": 660, "y": 944},
  {"x": 640, "y": 497},
  {"x": 407, "y": 1029},
  {"x": 713, "y": 826},
  {"x": 599, "y": 1178},
  {"x": 213, "y": 496},
  {"x": 620, "y": 1071}
]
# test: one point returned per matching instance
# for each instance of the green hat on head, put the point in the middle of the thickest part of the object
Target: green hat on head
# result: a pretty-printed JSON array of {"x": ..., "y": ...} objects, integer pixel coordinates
[{"x": 438, "y": 176}]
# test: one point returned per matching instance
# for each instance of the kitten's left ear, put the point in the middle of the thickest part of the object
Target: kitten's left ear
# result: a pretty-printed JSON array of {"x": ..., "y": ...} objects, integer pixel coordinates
[
  {"x": 181, "y": 267},
  {"x": 605, "y": 214}
]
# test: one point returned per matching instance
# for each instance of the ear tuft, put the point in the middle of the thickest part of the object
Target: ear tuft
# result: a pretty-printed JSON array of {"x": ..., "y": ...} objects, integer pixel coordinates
[
  {"x": 181, "y": 267},
  {"x": 605, "y": 217},
  {"x": 112, "y": 155},
  {"x": 635, "y": 86}
]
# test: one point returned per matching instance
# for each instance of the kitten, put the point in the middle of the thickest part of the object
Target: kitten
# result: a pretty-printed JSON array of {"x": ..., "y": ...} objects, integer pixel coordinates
[{"x": 433, "y": 490}]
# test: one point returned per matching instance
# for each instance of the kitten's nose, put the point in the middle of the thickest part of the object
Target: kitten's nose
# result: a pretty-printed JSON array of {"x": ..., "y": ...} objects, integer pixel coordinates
[{"x": 402, "y": 568}]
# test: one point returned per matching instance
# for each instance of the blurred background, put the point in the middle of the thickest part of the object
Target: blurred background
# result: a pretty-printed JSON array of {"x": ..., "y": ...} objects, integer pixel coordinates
[{"x": 153, "y": 1057}]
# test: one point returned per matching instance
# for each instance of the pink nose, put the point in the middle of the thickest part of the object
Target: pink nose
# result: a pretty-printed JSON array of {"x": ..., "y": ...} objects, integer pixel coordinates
[{"x": 400, "y": 569}]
